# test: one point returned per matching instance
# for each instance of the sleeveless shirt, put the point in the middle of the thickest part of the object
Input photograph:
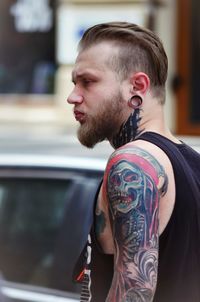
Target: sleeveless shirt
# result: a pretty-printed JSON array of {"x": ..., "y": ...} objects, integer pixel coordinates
[{"x": 179, "y": 244}]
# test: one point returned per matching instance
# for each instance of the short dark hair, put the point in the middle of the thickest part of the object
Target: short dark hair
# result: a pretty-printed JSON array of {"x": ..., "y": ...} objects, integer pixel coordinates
[{"x": 139, "y": 50}]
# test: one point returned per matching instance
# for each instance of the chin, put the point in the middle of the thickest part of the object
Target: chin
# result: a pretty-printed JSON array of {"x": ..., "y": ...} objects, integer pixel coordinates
[{"x": 87, "y": 137}]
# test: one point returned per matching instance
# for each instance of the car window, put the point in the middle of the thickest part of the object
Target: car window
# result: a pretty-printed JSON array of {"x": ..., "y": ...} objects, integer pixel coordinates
[{"x": 31, "y": 216}]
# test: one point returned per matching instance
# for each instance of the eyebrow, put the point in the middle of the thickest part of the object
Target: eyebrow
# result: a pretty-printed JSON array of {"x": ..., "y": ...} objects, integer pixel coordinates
[{"x": 81, "y": 75}]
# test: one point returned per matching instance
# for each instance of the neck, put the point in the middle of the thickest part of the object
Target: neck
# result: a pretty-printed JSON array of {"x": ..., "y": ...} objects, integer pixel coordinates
[{"x": 129, "y": 131}]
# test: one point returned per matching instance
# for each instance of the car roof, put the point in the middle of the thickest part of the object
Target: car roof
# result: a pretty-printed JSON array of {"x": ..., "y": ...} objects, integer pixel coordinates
[{"x": 52, "y": 161}]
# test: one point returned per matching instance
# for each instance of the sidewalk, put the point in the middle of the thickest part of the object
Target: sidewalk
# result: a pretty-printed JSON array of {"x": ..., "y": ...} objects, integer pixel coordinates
[{"x": 36, "y": 120}]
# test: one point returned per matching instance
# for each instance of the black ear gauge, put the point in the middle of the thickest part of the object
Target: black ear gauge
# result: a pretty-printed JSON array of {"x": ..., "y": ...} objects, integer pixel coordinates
[{"x": 135, "y": 102}]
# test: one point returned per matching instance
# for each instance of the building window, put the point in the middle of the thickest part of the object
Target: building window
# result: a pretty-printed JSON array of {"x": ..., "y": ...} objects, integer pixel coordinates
[{"x": 27, "y": 52}]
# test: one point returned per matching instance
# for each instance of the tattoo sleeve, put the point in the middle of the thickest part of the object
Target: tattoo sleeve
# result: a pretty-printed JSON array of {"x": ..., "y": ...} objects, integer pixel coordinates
[{"x": 134, "y": 182}]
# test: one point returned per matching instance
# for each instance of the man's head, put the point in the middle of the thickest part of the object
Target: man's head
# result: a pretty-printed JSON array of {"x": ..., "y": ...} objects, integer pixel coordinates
[
  {"x": 116, "y": 62},
  {"x": 138, "y": 50}
]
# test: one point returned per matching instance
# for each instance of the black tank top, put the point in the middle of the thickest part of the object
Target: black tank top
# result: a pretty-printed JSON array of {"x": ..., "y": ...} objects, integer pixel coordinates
[{"x": 179, "y": 244}]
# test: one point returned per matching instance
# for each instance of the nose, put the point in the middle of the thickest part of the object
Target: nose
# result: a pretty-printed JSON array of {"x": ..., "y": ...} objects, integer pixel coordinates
[{"x": 74, "y": 98}]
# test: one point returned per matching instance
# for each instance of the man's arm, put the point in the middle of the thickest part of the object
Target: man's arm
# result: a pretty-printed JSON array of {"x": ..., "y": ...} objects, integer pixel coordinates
[{"x": 133, "y": 184}]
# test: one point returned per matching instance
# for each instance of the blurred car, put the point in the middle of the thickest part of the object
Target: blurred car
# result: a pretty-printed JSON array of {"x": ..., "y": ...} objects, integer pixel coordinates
[{"x": 40, "y": 224}]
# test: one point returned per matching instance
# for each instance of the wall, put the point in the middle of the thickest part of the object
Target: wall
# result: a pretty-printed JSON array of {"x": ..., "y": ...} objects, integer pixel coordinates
[{"x": 166, "y": 29}]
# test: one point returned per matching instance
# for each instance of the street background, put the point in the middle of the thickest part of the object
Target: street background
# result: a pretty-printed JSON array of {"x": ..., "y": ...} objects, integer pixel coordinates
[{"x": 38, "y": 40}]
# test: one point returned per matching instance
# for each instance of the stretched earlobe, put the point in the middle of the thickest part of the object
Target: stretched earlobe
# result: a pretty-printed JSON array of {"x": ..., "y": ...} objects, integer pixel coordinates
[{"x": 135, "y": 102}]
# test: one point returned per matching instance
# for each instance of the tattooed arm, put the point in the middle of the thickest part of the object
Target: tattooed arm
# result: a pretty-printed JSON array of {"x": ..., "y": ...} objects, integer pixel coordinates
[{"x": 133, "y": 183}]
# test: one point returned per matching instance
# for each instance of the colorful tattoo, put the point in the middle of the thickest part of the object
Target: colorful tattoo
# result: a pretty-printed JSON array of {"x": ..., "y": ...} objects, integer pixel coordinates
[
  {"x": 129, "y": 130},
  {"x": 100, "y": 222},
  {"x": 132, "y": 179}
]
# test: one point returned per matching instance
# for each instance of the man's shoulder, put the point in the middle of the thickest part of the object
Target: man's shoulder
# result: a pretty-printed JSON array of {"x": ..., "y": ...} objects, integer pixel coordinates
[
  {"x": 138, "y": 149},
  {"x": 141, "y": 156}
]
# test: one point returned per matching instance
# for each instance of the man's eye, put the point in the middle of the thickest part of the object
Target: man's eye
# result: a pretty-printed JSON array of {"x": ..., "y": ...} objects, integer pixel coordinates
[{"x": 86, "y": 82}]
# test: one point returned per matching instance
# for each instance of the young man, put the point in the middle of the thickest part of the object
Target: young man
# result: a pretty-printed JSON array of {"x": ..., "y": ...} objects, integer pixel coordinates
[{"x": 147, "y": 212}]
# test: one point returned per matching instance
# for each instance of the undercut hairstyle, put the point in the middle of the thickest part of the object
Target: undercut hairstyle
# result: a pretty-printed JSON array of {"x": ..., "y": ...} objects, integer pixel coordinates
[{"x": 138, "y": 50}]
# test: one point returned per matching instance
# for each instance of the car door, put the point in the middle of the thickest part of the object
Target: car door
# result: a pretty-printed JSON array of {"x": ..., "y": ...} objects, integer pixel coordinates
[{"x": 41, "y": 231}]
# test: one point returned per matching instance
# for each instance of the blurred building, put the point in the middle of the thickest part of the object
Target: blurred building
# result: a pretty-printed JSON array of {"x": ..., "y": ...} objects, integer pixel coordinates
[{"x": 38, "y": 40}]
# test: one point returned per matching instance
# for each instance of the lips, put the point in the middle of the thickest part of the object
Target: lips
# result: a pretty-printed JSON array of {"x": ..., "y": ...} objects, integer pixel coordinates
[{"x": 79, "y": 116}]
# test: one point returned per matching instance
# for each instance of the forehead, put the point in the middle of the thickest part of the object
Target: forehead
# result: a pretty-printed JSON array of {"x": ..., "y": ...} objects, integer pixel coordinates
[{"x": 94, "y": 59}]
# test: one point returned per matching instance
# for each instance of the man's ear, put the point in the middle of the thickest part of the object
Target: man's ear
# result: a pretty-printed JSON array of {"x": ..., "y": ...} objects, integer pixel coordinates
[{"x": 140, "y": 83}]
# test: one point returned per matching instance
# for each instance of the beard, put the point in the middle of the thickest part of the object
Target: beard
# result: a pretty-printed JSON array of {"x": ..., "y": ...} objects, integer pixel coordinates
[{"x": 104, "y": 124}]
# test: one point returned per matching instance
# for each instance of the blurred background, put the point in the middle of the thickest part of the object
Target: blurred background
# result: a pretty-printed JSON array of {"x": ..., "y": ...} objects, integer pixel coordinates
[{"x": 38, "y": 40}]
